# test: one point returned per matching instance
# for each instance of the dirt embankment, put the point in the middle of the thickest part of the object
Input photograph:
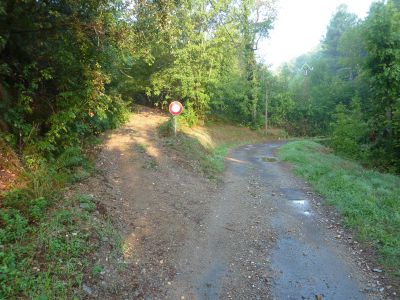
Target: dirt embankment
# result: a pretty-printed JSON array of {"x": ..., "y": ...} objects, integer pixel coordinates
[{"x": 153, "y": 200}]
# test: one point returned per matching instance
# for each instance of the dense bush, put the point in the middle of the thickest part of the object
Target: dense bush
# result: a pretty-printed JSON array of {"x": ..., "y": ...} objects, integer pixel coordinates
[
  {"x": 349, "y": 131},
  {"x": 54, "y": 84}
]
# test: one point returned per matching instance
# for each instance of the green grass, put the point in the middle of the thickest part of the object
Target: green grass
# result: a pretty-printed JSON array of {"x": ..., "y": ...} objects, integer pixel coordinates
[
  {"x": 213, "y": 162},
  {"x": 197, "y": 156},
  {"x": 205, "y": 147},
  {"x": 209, "y": 161},
  {"x": 368, "y": 201},
  {"x": 46, "y": 259},
  {"x": 46, "y": 239}
]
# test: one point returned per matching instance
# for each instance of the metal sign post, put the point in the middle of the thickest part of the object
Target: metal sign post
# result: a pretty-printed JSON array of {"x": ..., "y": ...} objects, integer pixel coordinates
[
  {"x": 175, "y": 125},
  {"x": 175, "y": 108}
]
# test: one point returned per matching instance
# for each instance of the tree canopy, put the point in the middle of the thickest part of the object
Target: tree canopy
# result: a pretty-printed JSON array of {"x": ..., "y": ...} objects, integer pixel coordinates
[
  {"x": 70, "y": 69},
  {"x": 352, "y": 91}
]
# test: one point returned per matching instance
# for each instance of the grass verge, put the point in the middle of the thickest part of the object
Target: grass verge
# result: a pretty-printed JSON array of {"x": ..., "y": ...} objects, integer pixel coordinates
[
  {"x": 368, "y": 201},
  {"x": 205, "y": 147},
  {"x": 45, "y": 238}
]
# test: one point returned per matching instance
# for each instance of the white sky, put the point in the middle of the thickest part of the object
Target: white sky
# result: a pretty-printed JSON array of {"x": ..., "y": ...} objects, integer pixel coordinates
[{"x": 300, "y": 25}]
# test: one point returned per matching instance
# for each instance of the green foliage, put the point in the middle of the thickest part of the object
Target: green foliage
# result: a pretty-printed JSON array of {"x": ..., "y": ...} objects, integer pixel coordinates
[
  {"x": 341, "y": 21},
  {"x": 41, "y": 254},
  {"x": 67, "y": 72},
  {"x": 367, "y": 200},
  {"x": 214, "y": 162},
  {"x": 210, "y": 162},
  {"x": 14, "y": 226},
  {"x": 189, "y": 116},
  {"x": 66, "y": 67},
  {"x": 349, "y": 131},
  {"x": 281, "y": 104},
  {"x": 96, "y": 270},
  {"x": 86, "y": 202},
  {"x": 382, "y": 39},
  {"x": 46, "y": 260},
  {"x": 356, "y": 60},
  {"x": 56, "y": 72},
  {"x": 46, "y": 239},
  {"x": 201, "y": 53},
  {"x": 230, "y": 96}
]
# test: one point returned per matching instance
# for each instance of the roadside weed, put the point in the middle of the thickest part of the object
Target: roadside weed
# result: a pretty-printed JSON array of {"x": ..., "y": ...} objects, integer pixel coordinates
[
  {"x": 46, "y": 239},
  {"x": 97, "y": 269}
]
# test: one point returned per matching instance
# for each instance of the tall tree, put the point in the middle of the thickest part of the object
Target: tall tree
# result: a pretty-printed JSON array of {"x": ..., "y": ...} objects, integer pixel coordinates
[
  {"x": 382, "y": 40},
  {"x": 341, "y": 21},
  {"x": 256, "y": 20}
]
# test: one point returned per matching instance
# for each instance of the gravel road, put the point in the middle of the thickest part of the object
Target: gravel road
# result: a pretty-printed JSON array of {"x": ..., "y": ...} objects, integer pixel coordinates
[
  {"x": 259, "y": 234},
  {"x": 263, "y": 239}
]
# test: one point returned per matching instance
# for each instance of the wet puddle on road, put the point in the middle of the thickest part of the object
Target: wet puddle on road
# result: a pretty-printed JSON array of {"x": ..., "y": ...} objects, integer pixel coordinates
[
  {"x": 299, "y": 202},
  {"x": 302, "y": 205},
  {"x": 304, "y": 264}
]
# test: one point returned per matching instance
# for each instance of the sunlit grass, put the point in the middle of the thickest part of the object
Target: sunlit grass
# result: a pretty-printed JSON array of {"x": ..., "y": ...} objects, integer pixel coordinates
[{"x": 207, "y": 146}]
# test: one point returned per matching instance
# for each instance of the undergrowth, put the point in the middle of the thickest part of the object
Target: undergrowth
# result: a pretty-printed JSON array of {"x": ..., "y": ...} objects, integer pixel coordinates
[
  {"x": 45, "y": 239},
  {"x": 369, "y": 201}
]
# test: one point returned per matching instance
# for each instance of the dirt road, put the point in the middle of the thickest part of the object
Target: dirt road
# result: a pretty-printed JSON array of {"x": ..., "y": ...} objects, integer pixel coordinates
[
  {"x": 260, "y": 234},
  {"x": 263, "y": 240}
]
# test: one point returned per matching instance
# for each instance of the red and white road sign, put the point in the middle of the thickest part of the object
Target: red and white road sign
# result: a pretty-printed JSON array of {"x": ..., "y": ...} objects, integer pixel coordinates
[{"x": 175, "y": 108}]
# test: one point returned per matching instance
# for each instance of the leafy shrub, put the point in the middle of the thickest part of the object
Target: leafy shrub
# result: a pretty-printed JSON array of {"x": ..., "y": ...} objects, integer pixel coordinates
[
  {"x": 38, "y": 208},
  {"x": 189, "y": 115},
  {"x": 349, "y": 131},
  {"x": 17, "y": 199},
  {"x": 13, "y": 226},
  {"x": 116, "y": 114}
]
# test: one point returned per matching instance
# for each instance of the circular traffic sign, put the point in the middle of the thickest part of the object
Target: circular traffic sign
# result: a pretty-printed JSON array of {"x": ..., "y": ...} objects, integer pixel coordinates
[{"x": 175, "y": 108}]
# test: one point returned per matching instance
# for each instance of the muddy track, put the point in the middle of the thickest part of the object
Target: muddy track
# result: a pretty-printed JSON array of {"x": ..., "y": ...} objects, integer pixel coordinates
[{"x": 260, "y": 234}]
